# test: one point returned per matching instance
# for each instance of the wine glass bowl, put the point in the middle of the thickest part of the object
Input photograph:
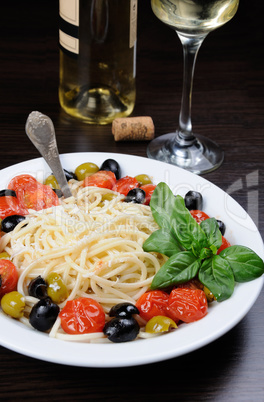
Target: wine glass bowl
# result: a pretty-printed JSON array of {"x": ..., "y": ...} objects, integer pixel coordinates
[{"x": 192, "y": 21}]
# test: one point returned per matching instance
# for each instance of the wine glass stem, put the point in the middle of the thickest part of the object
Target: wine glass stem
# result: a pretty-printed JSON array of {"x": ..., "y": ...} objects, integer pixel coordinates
[{"x": 191, "y": 46}]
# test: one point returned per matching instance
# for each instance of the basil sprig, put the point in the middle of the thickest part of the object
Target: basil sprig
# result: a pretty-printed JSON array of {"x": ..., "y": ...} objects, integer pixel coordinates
[{"x": 192, "y": 249}]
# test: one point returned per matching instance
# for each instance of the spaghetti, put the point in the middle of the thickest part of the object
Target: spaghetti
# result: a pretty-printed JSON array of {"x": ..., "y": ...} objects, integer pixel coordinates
[{"x": 93, "y": 240}]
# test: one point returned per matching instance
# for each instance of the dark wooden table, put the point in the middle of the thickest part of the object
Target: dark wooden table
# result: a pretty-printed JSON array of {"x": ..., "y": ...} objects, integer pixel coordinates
[{"x": 227, "y": 106}]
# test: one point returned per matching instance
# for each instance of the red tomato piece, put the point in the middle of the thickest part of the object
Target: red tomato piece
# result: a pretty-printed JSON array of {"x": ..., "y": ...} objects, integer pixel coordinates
[
  {"x": 102, "y": 179},
  {"x": 148, "y": 188},
  {"x": 10, "y": 206},
  {"x": 25, "y": 181},
  {"x": 225, "y": 244},
  {"x": 82, "y": 316},
  {"x": 153, "y": 303},
  {"x": 38, "y": 198},
  {"x": 8, "y": 277},
  {"x": 32, "y": 194},
  {"x": 187, "y": 305},
  {"x": 198, "y": 215},
  {"x": 125, "y": 184}
]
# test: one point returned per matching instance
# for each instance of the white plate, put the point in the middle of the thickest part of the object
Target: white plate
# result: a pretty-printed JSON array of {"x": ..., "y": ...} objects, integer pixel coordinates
[{"x": 221, "y": 317}]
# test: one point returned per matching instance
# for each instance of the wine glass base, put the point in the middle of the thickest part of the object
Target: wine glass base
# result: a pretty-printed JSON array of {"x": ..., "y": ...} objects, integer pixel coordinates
[{"x": 200, "y": 156}]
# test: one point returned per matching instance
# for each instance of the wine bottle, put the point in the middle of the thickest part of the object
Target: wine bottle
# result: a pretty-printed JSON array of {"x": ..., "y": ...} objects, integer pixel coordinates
[{"x": 97, "y": 40}]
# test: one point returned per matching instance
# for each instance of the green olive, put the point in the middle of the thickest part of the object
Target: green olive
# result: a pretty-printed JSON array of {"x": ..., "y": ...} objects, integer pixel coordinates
[
  {"x": 13, "y": 304},
  {"x": 209, "y": 295},
  {"x": 4, "y": 255},
  {"x": 143, "y": 179},
  {"x": 106, "y": 197},
  {"x": 52, "y": 182},
  {"x": 159, "y": 324},
  {"x": 85, "y": 170},
  {"x": 56, "y": 289}
]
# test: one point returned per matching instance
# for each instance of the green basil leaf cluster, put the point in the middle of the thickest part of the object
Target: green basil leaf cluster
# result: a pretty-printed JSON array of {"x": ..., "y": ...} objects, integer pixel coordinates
[{"x": 192, "y": 249}]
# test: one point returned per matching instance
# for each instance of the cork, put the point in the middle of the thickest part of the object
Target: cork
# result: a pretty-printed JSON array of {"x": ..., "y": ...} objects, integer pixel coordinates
[{"x": 133, "y": 128}]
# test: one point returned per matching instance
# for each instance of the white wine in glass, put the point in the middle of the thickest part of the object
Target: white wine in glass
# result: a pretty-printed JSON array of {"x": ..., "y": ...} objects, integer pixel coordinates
[{"x": 192, "y": 20}]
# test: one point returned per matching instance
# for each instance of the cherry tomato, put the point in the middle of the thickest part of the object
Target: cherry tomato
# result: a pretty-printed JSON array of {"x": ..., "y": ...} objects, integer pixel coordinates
[
  {"x": 198, "y": 215},
  {"x": 153, "y": 303},
  {"x": 225, "y": 244},
  {"x": 82, "y": 316},
  {"x": 32, "y": 194},
  {"x": 148, "y": 188},
  {"x": 41, "y": 197},
  {"x": 187, "y": 305},
  {"x": 125, "y": 184},
  {"x": 10, "y": 206},
  {"x": 8, "y": 277},
  {"x": 23, "y": 180},
  {"x": 102, "y": 179}
]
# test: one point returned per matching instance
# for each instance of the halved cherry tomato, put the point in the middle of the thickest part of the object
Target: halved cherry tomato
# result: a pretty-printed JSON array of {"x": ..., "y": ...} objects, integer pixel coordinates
[
  {"x": 10, "y": 206},
  {"x": 198, "y": 215},
  {"x": 225, "y": 244},
  {"x": 25, "y": 181},
  {"x": 187, "y": 305},
  {"x": 41, "y": 197},
  {"x": 125, "y": 184},
  {"x": 148, "y": 188},
  {"x": 32, "y": 194},
  {"x": 82, "y": 316},
  {"x": 8, "y": 277},
  {"x": 153, "y": 303},
  {"x": 102, "y": 179}
]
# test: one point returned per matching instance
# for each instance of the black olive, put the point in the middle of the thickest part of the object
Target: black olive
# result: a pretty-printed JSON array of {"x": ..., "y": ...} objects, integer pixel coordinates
[
  {"x": 7, "y": 193},
  {"x": 10, "y": 222},
  {"x": 136, "y": 195},
  {"x": 44, "y": 314},
  {"x": 70, "y": 175},
  {"x": 193, "y": 200},
  {"x": 38, "y": 288},
  {"x": 121, "y": 329},
  {"x": 123, "y": 310},
  {"x": 58, "y": 192},
  {"x": 222, "y": 226},
  {"x": 113, "y": 166}
]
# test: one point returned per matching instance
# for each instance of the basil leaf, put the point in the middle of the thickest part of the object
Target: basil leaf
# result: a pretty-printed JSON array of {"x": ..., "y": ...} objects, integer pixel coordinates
[
  {"x": 171, "y": 214},
  {"x": 186, "y": 230},
  {"x": 244, "y": 262},
  {"x": 206, "y": 253},
  {"x": 179, "y": 268},
  {"x": 162, "y": 242},
  {"x": 216, "y": 274},
  {"x": 162, "y": 205},
  {"x": 213, "y": 234}
]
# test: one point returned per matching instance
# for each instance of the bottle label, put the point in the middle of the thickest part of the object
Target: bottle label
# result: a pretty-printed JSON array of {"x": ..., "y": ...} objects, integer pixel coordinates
[
  {"x": 133, "y": 22},
  {"x": 69, "y": 26}
]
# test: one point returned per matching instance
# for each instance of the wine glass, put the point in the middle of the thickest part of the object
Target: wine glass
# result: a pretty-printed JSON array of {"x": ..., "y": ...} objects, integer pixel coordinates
[{"x": 192, "y": 20}]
